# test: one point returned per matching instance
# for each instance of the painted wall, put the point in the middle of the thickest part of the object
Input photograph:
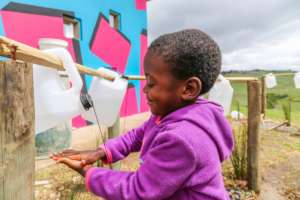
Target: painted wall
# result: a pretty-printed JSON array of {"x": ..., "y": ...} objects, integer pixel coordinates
[{"x": 99, "y": 45}]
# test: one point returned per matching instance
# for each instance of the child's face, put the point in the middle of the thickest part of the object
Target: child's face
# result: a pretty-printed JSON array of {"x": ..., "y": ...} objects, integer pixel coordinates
[{"x": 163, "y": 91}]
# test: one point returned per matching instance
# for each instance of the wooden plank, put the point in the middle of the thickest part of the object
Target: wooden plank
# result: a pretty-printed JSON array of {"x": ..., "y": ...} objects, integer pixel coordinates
[
  {"x": 2, "y": 129},
  {"x": 18, "y": 51},
  {"x": 134, "y": 77},
  {"x": 254, "y": 110},
  {"x": 236, "y": 79},
  {"x": 113, "y": 132},
  {"x": 17, "y": 131},
  {"x": 242, "y": 79},
  {"x": 284, "y": 74},
  {"x": 263, "y": 96}
]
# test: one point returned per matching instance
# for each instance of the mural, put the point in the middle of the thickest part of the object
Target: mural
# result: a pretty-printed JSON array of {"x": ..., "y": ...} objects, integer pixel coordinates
[{"x": 100, "y": 33}]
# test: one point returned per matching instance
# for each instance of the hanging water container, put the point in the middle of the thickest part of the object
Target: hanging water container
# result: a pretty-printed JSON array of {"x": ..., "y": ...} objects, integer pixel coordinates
[
  {"x": 270, "y": 80},
  {"x": 297, "y": 80},
  {"x": 222, "y": 93},
  {"x": 54, "y": 104},
  {"x": 51, "y": 43},
  {"x": 107, "y": 97}
]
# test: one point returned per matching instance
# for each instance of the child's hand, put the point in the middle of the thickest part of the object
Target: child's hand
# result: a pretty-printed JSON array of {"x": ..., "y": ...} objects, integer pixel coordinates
[
  {"x": 74, "y": 164},
  {"x": 87, "y": 157}
]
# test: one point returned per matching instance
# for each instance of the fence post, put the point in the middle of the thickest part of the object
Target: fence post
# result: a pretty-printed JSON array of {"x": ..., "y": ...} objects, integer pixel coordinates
[
  {"x": 17, "y": 152},
  {"x": 254, "y": 112},
  {"x": 263, "y": 96},
  {"x": 113, "y": 132}
]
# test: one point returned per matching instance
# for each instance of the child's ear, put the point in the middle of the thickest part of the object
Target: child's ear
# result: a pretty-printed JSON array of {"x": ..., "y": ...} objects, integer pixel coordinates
[{"x": 192, "y": 88}]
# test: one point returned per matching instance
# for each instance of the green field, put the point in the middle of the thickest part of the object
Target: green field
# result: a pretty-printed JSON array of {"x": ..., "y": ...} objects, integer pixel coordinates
[{"x": 285, "y": 86}]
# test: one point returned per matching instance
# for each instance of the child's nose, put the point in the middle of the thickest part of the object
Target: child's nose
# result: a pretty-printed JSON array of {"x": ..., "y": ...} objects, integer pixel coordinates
[{"x": 145, "y": 89}]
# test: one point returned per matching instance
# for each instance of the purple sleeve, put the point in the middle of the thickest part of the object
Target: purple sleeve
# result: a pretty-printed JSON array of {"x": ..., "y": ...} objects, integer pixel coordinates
[
  {"x": 119, "y": 147},
  {"x": 165, "y": 168}
]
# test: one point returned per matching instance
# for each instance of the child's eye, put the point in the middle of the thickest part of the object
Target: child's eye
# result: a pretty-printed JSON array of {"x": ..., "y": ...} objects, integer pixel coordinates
[
  {"x": 149, "y": 81},
  {"x": 150, "y": 85}
]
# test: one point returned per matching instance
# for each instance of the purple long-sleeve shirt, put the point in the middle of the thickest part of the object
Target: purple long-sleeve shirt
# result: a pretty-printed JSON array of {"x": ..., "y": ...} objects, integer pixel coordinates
[{"x": 181, "y": 157}]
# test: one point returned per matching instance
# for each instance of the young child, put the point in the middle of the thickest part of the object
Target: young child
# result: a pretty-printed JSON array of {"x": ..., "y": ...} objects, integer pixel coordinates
[{"x": 185, "y": 140}]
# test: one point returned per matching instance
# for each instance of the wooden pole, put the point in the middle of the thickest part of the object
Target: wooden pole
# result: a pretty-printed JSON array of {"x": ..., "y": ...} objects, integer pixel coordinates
[
  {"x": 285, "y": 74},
  {"x": 235, "y": 79},
  {"x": 263, "y": 96},
  {"x": 17, "y": 152},
  {"x": 254, "y": 111},
  {"x": 113, "y": 132},
  {"x": 19, "y": 51}
]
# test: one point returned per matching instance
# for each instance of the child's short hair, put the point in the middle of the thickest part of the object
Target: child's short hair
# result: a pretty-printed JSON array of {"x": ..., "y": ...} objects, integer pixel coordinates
[{"x": 190, "y": 52}]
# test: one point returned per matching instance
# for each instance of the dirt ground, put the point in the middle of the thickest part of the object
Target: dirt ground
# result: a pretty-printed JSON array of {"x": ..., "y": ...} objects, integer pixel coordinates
[{"x": 279, "y": 164}]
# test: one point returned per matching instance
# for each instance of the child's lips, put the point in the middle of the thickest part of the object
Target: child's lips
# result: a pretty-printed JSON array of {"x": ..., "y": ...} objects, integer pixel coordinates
[{"x": 149, "y": 102}]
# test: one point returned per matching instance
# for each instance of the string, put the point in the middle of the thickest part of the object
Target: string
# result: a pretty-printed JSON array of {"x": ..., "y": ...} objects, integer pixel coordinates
[{"x": 100, "y": 131}]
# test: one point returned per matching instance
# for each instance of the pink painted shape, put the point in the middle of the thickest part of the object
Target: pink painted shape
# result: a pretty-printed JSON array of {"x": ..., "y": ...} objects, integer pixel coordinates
[
  {"x": 111, "y": 46},
  {"x": 143, "y": 104},
  {"x": 78, "y": 122},
  {"x": 129, "y": 105},
  {"x": 140, "y": 4},
  {"x": 29, "y": 28}
]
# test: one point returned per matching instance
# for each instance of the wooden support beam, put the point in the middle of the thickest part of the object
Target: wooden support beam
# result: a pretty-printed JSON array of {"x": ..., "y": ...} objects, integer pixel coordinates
[
  {"x": 254, "y": 111},
  {"x": 241, "y": 79},
  {"x": 263, "y": 96},
  {"x": 235, "y": 79},
  {"x": 284, "y": 74},
  {"x": 19, "y": 51},
  {"x": 134, "y": 77},
  {"x": 17, "y": 151},
  {"x": 114, "y": 132}
]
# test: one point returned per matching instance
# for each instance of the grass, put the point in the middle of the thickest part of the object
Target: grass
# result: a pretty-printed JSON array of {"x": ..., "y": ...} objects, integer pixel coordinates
[
  {"x": 239, "y": 154},
  {"x": 285, "y": 86}
]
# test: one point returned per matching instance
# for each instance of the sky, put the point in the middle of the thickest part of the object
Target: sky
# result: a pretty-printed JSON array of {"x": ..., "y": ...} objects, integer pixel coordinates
[{"x": 252, "y": 34}]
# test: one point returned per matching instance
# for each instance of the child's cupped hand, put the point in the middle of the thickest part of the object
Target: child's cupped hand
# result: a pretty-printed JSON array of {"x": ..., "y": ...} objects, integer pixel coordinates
[
  {"x": 73, "y": 164},
  {"x": 86, "y": 157},
  {"x": 79, "y": 161}
]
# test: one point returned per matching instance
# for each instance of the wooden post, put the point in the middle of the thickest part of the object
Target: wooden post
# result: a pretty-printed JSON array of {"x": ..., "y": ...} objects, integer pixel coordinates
[
  {"x": 254, "y": 111},
  {"x": 263, "y": 96},
  {"x": 17, "y": 152},
  {"x": 113, "y": 132}
]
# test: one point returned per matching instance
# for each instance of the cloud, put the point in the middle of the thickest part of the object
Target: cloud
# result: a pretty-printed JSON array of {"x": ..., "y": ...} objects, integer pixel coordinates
[{"x": 251, "y": 33}]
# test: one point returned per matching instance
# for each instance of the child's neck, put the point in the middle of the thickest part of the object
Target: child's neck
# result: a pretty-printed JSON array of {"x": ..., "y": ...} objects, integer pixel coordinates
[{"x": 182, "y": 105}]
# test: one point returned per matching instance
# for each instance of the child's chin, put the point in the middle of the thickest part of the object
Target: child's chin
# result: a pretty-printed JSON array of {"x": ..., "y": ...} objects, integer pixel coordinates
[{"x": 153, "y": 111}]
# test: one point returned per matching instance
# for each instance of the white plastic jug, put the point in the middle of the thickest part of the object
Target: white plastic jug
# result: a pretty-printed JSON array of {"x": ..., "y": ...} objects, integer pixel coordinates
[
  {"x": 236, "y": 115},
  {"x": 222, "y": 93},
  {"x": 270, "y": 80},
  {"x": 107, "y": 97},
  {"x": 51, "y": 43},
  {"x": 54, "y": 104},
  {"x": 297, "y": 80}
]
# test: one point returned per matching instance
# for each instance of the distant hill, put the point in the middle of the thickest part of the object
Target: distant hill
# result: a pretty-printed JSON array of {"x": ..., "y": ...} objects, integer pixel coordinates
[{"x": 257, "y": 72}]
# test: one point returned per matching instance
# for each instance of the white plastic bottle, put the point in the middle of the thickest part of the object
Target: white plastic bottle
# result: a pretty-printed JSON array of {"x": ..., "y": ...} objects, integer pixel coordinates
[
  {"x": 107, "y": 97},
  {"x": 297, "y": 80},
  {"x": 270, "y": 80},
  {"x": 55, "y": 104},
  {"x": 222, "y": 93}
]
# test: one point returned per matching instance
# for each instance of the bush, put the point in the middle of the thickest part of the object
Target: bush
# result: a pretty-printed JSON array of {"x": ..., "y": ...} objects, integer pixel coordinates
[
  {"x": 239, "y": 154},
  {"x": 272, "y": 99}
]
